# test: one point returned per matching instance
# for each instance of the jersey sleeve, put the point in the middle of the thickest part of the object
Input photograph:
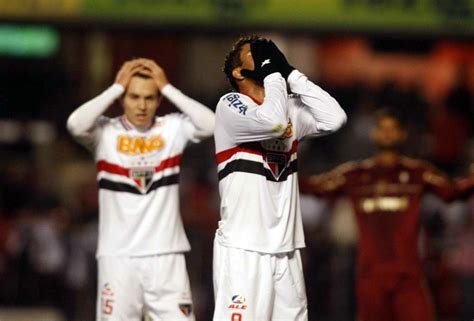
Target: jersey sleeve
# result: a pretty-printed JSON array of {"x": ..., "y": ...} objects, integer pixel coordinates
[
  {"x": 465, "y": 187},
  {"x": 438, "y": 183},
  {"x": 86, "y": 122},
  {"x": 328, "y": 185},
  {"x": 318, "y": 113},
  {"x": 245, "y": 121},
  {"x": 199, "y": 120}
]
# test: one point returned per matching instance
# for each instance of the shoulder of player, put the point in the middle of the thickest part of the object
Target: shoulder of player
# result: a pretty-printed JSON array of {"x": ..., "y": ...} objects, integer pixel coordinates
[
  {"x": 171, "y": 119},
  {"x": 236, "y": 102},
  {"x": 346, "y": 168},
  {"x": 428, "y": 171},
  {"x": 335, "y": 178},
  {"x": 107, "y": 121},
  {"x": 170, "y": 116},
  {"x": 413, "y": 163},
  {"x": 366, "y": 164}
]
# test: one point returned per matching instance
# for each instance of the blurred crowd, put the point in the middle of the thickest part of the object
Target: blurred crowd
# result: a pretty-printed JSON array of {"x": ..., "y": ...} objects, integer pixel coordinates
[{"x": 48, "y": 231}]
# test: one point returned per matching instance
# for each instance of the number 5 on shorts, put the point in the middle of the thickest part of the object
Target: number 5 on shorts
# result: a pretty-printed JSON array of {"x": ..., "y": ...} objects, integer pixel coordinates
[{"x": 108, "y": 307}]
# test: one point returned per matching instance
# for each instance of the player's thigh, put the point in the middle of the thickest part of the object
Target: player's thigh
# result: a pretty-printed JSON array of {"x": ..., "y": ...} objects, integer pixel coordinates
[
  {"x": 290, "y": 292},
  {"x": 412, "y": 301},
  {"x": 168, "y": 292},
  {"x": 243, "y": 285},
  {"x": 373, "y": 304},
  {"x": 119, "y": 295}
]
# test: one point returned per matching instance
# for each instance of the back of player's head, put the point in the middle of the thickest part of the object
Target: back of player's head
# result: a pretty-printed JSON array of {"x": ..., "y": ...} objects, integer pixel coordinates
[{"x": 232, "y": 60}]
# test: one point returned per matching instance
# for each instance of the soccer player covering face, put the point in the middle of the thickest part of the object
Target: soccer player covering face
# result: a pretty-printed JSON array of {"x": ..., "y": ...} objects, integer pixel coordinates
[
  {"x": 141, "y": 236},
  {"x": 385, "y": 192},
  {"x": 257, "y": 267}
]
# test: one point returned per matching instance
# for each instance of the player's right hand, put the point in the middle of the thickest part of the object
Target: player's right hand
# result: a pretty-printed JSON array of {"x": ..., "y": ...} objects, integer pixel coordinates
[{"x": 127, "y": 71}]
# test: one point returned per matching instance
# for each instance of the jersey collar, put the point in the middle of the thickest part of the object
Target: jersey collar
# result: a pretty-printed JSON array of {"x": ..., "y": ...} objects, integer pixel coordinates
[{"x": 129, "y": 126}]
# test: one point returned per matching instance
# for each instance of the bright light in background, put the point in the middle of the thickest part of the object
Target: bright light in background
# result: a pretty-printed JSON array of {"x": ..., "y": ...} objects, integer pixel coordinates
[{"x": 28, "y": 41}]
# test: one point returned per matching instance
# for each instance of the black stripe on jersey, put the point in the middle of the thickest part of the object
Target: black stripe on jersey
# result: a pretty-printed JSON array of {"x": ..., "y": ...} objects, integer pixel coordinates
[
  {"x": 124, "y": 187},
  {"x": 247, "y": 166}
]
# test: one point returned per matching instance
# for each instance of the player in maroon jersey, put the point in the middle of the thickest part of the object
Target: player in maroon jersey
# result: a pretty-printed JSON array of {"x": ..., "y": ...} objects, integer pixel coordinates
[{"x": 385, "y": 192}]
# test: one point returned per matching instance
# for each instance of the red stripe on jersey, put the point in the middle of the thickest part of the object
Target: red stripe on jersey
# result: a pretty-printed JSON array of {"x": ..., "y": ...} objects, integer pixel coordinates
[
  {"x": 250, "y": 148},
  {"x": 255, "y": 100},
  {"x": 103, "y": 165}
]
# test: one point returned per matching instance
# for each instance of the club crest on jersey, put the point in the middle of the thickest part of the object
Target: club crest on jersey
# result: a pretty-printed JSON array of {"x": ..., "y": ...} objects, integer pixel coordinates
[
  {"x": 238, "y": 303},
  {"x": 186, "y": 308},
  {"x": 288, "y": 132},
  {"x": 275, "y": 155},
  {"x": 142, "y": 176}
]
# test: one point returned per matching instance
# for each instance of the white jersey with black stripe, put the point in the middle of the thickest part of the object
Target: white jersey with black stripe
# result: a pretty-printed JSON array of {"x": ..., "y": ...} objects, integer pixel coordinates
[
  {"x": 138, "y": 171},
  {"x": 138, "y": 186},
  {"x": 256, "y": 153}
]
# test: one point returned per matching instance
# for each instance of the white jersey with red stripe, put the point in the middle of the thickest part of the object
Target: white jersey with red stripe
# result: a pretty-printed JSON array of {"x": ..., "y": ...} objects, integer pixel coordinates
[
  {"x": 138, "y": 172},
  {"x": 256, "y": 147},
  {"x": 138, "y": 186}
]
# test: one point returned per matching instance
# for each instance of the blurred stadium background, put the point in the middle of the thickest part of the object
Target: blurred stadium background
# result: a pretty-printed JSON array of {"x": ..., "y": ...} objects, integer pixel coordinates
[{"x": 415, "y": 55}]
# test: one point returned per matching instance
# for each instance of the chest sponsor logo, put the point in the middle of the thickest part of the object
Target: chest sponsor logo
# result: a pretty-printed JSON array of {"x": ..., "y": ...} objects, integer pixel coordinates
[
  {"x": 404, "y": 177},
  {"x": 142, "y": 176},
  {"x": 137, "y": 145},
  {"x": 384, "y": 204}
]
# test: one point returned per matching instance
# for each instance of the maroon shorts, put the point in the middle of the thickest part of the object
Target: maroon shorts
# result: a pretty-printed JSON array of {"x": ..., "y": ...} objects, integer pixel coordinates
[{"x": 395, "y": 298}]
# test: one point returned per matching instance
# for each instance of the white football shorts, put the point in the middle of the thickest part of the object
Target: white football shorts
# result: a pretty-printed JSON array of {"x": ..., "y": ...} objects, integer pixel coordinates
[
  {"x": 252, "y": 286},
  {"x": 158, "y": 284}
]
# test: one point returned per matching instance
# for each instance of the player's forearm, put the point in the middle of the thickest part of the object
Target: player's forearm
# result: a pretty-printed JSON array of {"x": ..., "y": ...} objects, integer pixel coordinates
[
  {"x": 465, "y": 187},
  {"x": 202, "y": 117},
  {"x": 84, "y": 118},
  {"x": 326, "y": 111},
  {"x": 273, "y": 112}
]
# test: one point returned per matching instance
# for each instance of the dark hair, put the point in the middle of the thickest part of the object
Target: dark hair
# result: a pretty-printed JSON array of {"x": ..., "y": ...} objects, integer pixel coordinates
[
  {"x": 141, "y": 75},
  {"x": 232, "y": 60},
  {"x": 391, "y": 112}
]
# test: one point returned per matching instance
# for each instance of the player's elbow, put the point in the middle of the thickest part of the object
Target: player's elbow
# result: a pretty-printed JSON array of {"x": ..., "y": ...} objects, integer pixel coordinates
[
  {"x": 277, "y": 129},
  {"x": 73, "y": 125},
  {"x": 340, "y": 118},
  {"x": 336, "y": 121}
]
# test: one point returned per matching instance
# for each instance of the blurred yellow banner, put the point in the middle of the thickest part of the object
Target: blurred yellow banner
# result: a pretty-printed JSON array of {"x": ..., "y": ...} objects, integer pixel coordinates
[
  {"x": 40, "y": 8},
  {"x": 430, "y": 16}
]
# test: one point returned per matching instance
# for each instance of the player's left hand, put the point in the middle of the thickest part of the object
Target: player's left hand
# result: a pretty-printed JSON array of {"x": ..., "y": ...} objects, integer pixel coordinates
[
  {"x": 264, "y": 64},
  {"x": 267, "y": 59},
  {"x": 155, "y": 71},
  {"x": 283, "y": 66}
]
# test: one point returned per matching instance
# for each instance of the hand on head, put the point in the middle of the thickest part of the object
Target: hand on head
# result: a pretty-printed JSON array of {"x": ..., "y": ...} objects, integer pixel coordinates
[{"x": 142, "y": 66}]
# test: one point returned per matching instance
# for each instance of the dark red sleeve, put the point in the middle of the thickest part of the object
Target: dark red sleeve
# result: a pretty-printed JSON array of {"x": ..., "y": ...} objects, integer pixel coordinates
[
  {"x": 439, "y": 183},
  {"x": 465, "y": 187},
  {"x": 328, "y": 185}
]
